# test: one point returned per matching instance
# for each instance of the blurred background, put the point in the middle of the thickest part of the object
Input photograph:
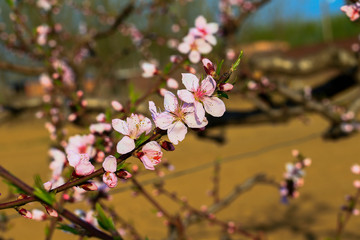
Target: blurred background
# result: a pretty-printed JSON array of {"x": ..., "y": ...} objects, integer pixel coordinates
[{"x": 301, "y": 46}]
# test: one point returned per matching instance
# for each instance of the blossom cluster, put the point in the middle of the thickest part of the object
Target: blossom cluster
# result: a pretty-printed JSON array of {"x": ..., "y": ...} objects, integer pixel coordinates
[
  {"x": 294, "y": 176},
  {"x": 199, "y": 39},
  {"x": 352, "y": 11}
]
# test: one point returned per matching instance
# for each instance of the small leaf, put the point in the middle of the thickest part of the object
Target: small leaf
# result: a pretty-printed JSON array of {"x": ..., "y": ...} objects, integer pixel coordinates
[
  {"x": 218, "y": 67},
  {"x": 41, "y": 193},
  {"x": 222, "y": 95},
  {"x": 10, "y": 3},
  {"x": 105, "y": 222},
  {"x": 68, "y": 228},
  {"x": 236, "y": 64},
  {"x": 132, "y": 94},
  {"x": 141, "y": 139},
  {"x": 167, "y": 68}
]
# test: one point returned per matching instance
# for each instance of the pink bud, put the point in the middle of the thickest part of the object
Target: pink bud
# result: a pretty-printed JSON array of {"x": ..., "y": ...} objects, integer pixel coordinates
[
  {"x": 123, "y": 174},
  {"x": 89, "y": 186},
  {"x": 225, "y": 87},
  {"x": 307, "y": 162},
  {"x": 168, "y": 146},
  {"x": 172, "y": 83},
  {"x": 162, "y": 91},
  {"x": 101, "y": 117},
  {"x": 25, "y": 213},
  {"x": 47, "y": 186},
  {"x": 208, "y": 66},
  {"x": 51, "y": 211},
  {"x": 295, "y": 152},
  {"x": 72, "y": 117},
  {"x": 117, "y": 106},
  {"x": 80, "y": 93}
]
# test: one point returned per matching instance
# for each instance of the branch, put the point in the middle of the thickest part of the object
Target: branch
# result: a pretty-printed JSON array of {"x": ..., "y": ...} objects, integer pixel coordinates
[
  {"x": 21, "y": 69},
  {"x": 65, "y": 213}
]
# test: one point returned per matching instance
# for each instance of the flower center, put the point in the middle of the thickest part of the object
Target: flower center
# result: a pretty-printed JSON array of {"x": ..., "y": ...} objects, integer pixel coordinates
[{"x": 199, "y": 94}]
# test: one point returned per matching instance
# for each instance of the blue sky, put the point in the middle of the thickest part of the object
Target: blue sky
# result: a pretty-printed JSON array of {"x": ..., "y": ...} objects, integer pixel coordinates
[{"x": 297, "y": 9}]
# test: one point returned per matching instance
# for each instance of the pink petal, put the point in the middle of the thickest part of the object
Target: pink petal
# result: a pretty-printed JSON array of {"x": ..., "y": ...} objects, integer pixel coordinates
[
  {"x": 110, "y": 179},
  {"x": 144, "y": 126},
  {"x": 191, "y": 121},
  {"x": 151, "y": 146},
  {"x": 147, "y": 163},
  {"x": 211, "y": 39},
  {"x": 212, "y": 28},
  {"x": 203, "y": 46},
  {"x": 172, "y": 83},
  {"x": 110, "y": 164},
  {"x": 190, "y": 81},
  {"x": 186, "y": 96},
  {"x": 164, "y": 120},
  {"x": 214, "y": 106},
  {"x": 184, "y": 47},
  {"x": 73, "y": 158},
  {"x": 208, "y": 85},
  {"x": 153, "y": 110},
  {"x": 84, "y": 168},
  {"x": 177, "y": 132},
  {"x": 194, "y": 56},
  {"x": 170, "y": 102},
  {"x": 121, "y": 126},
  {"x": 200, "y": 22},
  {"x": 125, "y": 145},
  {"x": 199, "y": 111}
]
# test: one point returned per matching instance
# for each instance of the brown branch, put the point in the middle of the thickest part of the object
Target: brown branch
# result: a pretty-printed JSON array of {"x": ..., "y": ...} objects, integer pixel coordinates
[
  {"x": 65, "y": 213},
  {"x": 21, "y": 69}
]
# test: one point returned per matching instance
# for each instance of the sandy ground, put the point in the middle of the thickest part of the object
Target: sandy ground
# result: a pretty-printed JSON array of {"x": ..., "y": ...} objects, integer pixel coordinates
[{"x": 248, "y": 151}]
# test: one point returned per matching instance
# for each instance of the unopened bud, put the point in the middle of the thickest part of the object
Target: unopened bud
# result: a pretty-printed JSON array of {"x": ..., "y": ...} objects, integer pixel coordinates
[
  {"x": 123, "y": 174},
  {"x": 89, "y": 186},
  {"x": 51, "y": 211},
  {"x": 23, "y": 212},
  {"x": 208, "y": 66},
  {"x": 225, "y": 87},
  {"x": 167, "y": 146}
]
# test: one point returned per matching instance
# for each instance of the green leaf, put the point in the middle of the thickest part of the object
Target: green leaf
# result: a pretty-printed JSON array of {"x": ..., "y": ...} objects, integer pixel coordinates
[
  {"x": 105, "y": 222},
  {"x": 222, "y": 95},
  {"x": 167, "y": 68},
  {"x": 41, "y": 193},
  {"x": 13, "y": 188},
  {"x": 10, "y": 3},
  {"x": 68, "y": 228},
  {"x": 132, "y": 94},
  {"x": 218, "y": 67},
  {"x": 236, "y": 64},
  {"x": 141, "y": 139},
  {"x": 123, "y": 165}
]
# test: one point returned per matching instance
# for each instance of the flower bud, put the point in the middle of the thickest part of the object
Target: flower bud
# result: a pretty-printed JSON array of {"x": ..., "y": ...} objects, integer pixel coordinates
[
  {"x": 167, "y": 146},
  {"x": 225, "y": 87},
  {"x": 89, "y": 186},
  {"x": 123, "y": 174},
  {"x": 208, "y": 66},
  {"x": 23, "y": 212},
  {"x": 51, "y": 211}
]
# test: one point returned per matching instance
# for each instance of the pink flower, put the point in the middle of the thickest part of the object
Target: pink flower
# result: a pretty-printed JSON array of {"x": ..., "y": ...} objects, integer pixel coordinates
[
  {"x": 149, "y": 70},
  {"x": 205, "y": 30},
  {"x": 174, "y": 118},
  {"x": 38, "y": 215},
  {"x": 172, "y": 83},
  {"x": 152, "y": 155},
  {"x": 46, "y": 82},
  {"x": 57, "y": 164},
  {"x": 117, "y": 106},
  {"x": 195, "y": 47},
  {"x": 131, "y": 129},
  {"x": 355, "y": 169},
  {"x": 81, "y": 144},
  {"x": 201, "y": 96},
  {"x": 109, "y": 177},
  {"x": 81, "y": 163},
  {"x": 352, "y": 11},
  {"x": 100, "y": 127}
]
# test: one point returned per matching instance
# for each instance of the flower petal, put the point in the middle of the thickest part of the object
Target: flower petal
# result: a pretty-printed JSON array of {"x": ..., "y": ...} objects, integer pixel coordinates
[
  {"x": 184, "y": 47},
  {"x": 125, "y": 145},
  {"x": 164, "y": 120},
  {"x": 192, "y": 122},
  {"x": 110, "y": 164},
  {"x": 110, "y": 179},
  {"x": 84, "y": 168},
  {"x": 208, "y": 85},
  {"x": 194, "y": 56},
  {"x": 186, "y": 96},
  {"x": 170, "y": 102},
  {"x": 190, "y": 81},
  {"x": 121, "y": 126},
  {"x": 147, "y": 163},
  {"x": 211, "y": 39},
  {"x": 199, "y": 111},
  {"x": 203, "y": 46},
  {"x": 73, "y": 158},
  {"x": 214, "y": 106},
  {"x": 212, "y": 28},
  {"x": 144, "y": 126},
  {"x": 200, "y": 22},
  {"x": 177, "y": 132}
]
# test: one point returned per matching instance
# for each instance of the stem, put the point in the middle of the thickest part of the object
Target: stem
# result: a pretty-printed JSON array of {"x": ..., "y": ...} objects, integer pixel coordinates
[{"x": 65, "y": 213}]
